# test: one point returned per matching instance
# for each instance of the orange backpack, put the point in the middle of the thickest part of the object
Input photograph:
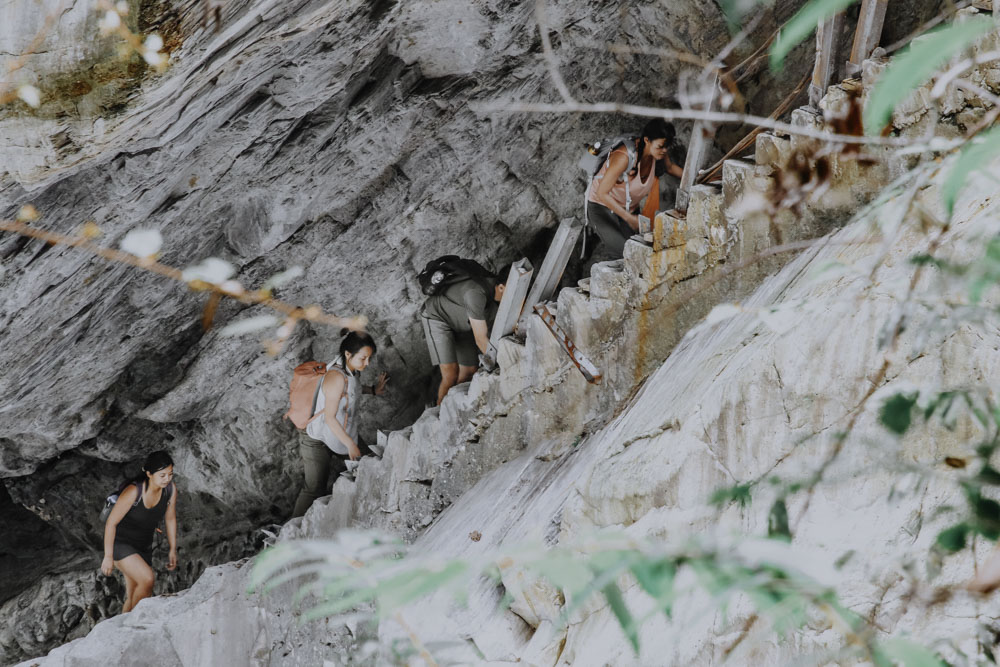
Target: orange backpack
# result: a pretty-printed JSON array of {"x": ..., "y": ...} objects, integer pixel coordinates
[{"x": 306, "y": 381}]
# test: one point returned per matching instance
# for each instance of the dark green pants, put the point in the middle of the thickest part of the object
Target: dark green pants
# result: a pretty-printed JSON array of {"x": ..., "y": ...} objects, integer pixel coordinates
[{"x": 317, "y": 460}]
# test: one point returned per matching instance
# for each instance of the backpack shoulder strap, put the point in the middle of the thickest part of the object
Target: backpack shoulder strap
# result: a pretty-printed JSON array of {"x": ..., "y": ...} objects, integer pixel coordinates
[{"x": 138, "y": 487}]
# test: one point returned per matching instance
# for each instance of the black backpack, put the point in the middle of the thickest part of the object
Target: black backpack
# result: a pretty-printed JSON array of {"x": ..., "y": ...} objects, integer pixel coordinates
[{"x": 444, "y": 271}]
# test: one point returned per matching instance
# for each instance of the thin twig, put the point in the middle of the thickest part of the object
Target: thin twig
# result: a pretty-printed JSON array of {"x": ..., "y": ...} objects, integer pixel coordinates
[
  {"x": 415, "y": 640},
  {"x": 694, "y": 114},
  {"x": 550, "y": 56}
]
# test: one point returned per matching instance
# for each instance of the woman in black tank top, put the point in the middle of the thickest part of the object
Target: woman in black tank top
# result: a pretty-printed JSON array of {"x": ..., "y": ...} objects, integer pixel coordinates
[{"x": 128, "y": 532}]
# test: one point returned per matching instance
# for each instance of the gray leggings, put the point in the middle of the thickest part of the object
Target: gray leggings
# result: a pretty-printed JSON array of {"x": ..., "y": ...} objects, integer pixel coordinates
[
  {"x": 317, "y": 459},
  {"x": 614, "y": 231}
]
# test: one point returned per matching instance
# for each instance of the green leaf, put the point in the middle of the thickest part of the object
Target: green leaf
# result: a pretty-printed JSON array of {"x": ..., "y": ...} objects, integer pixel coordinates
[
  {"x": 896, "y": 413},
  {"x": 953, "y": 539},
  {"x": 657, "y": 579},
  {"x": 906, "y": 652},
  {"x": 988, "y": 475},
  {"x": 621, "y": 612},
  {"x": 974, "y": 156},
  {"x": 915, "y": 65},
  {"x": 409, "y": 586},
  {"x": 987, "y": 514},
  {"x": 739, "y": 493},
  {"x": 777, "y": 521},
  {"x": 802, "y": 25}
]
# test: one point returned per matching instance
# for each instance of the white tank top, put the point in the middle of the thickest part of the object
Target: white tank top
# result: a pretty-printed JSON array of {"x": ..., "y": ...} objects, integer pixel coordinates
[{"x": 346, "y": 410}]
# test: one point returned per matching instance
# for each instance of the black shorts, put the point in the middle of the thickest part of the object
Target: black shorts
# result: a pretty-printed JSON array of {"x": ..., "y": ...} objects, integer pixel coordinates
[{"x": 124, "y": 550}]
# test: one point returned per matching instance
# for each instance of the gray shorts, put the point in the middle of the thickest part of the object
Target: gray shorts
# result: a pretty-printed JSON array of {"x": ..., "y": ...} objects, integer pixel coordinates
[{"x": 446, "y": 346}]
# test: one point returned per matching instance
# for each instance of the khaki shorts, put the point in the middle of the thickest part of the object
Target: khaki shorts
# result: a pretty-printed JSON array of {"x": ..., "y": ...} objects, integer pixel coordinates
[{"x": 446, "y": 346}]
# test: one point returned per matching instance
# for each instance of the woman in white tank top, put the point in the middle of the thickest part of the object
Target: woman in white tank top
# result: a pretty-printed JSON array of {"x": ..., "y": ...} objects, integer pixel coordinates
[
  {"x": 612, "y": 208},
  {"x": 335, "y": 435}
]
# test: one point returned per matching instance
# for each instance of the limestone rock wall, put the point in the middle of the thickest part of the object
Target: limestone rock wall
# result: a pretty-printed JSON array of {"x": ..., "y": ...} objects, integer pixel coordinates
[{"x": 343, "y": 137}]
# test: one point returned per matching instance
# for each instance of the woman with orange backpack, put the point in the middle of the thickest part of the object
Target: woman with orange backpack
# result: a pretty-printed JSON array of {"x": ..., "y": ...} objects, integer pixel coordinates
[
  {"x": 334, "y": 435},
  {"x": 629, "y": 174}
]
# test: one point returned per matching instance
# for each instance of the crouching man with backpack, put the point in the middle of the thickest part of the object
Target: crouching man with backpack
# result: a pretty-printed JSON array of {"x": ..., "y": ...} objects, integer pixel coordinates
[
  {"x": 332, "y": 422},
  {"x": 457, "y": 316}
]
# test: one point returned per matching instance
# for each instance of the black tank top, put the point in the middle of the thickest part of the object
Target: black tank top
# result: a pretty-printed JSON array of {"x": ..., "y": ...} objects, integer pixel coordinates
[{"x": 136, "y": 528}]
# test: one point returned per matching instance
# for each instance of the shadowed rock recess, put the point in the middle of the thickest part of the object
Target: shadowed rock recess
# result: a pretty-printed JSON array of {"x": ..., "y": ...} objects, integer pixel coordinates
[{"x": 346, "y": 138}]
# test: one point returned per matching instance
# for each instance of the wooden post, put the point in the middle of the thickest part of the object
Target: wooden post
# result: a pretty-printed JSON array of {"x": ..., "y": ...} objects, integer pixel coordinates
[
  {"x": 702, "y": 135},
  {"x": 555, "y": 261},
  {"x": 825, "y": 69},
  {"x": 511, "y": 304},
  {"x": 868, "y": 33}
]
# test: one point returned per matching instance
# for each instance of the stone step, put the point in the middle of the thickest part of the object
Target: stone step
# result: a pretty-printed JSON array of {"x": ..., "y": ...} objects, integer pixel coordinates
[
  {"x": 735, "y": 174},
  {"x": 772, "y": 151}
]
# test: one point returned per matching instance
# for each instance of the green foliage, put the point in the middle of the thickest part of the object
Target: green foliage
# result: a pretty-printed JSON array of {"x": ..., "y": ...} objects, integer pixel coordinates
[
  {"x": 915, "y": 65},
  {"x": 802, "y": 25},
  {"x": 953, "y": 539},
  {"x": 739, "y": 493},
  {"x": 899, "y": 651},
  {"x": 973, "y": 157},
  {"x": 621, "y": 612},
  {"x": 897, "y": 411},
  {"x": 358, "y": 572},
  {"x": 777, "y": 521}
]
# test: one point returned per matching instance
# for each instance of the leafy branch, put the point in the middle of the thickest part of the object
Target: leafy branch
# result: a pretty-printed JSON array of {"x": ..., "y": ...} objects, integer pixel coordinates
[{"x": 211, "y": 277}]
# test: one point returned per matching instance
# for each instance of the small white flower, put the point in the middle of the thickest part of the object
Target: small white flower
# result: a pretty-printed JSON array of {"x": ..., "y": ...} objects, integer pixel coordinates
[
  {"x": 153, "y": 58},
  {"x": 283, "y": 278},
  {"x": 110, "y": 22},
  {"x": 232, "y": 287},
  {"x": 249, "y": 325},
  {"x": 153, "y": 42},
  {"x": 142, "y": 242},
  {"x": 212, "y": 270},
  {"x": 122, "y": 7},
  {"x": 30, "y": 95}
]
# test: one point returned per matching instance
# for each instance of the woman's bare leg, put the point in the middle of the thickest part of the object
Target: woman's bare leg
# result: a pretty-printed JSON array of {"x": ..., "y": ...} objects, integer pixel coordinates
[
  {"x": 136, "y": 569},
  {"x": 129, "y": 587}
]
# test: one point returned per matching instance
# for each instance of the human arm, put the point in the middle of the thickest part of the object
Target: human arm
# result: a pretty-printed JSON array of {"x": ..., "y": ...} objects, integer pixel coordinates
[
  {"x": 481, "y": 331},
  {"x": 333, "y": 389},
  {"x": 378, "y": 388},
  {"x": 673, "y": 169},
  {"x": 617, "y": 164},
  {"x": 171, "y": 520},
  {"x": 124, "y": 503}
]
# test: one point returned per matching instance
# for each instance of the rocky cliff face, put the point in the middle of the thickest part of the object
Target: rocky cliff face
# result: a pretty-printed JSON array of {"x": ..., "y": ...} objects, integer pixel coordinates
[
  {"x": 759, "y": 393},
  {"x": 341, "y": 137}
]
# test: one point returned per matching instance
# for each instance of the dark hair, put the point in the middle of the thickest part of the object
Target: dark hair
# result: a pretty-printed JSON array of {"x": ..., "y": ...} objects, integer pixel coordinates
[
  {"x": 658, "y": 128},
  {"x": 155, "y": 462},
  {"x": 355, "y": 340},
  {"x": 500, "y": 277}
]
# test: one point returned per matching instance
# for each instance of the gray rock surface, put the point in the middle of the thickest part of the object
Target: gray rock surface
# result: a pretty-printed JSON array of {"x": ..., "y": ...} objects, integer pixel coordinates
[{"x": 343, "y": 137}]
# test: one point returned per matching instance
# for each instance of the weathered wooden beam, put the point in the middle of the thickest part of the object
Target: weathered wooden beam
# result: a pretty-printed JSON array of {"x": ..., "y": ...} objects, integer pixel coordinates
[
  {"x": 548, "y": 276},
  {"x": 867, "y": 34},
  {"x": 702, "y": 135},
  {"x": 511, "y": 304},
  {"x": 579, "y": 359},
  {"x": 827, "y": 46}
]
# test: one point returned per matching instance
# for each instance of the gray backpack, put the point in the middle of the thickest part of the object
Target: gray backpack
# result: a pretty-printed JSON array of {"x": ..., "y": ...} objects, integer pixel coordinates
[{"x": 598, "y": 153}]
